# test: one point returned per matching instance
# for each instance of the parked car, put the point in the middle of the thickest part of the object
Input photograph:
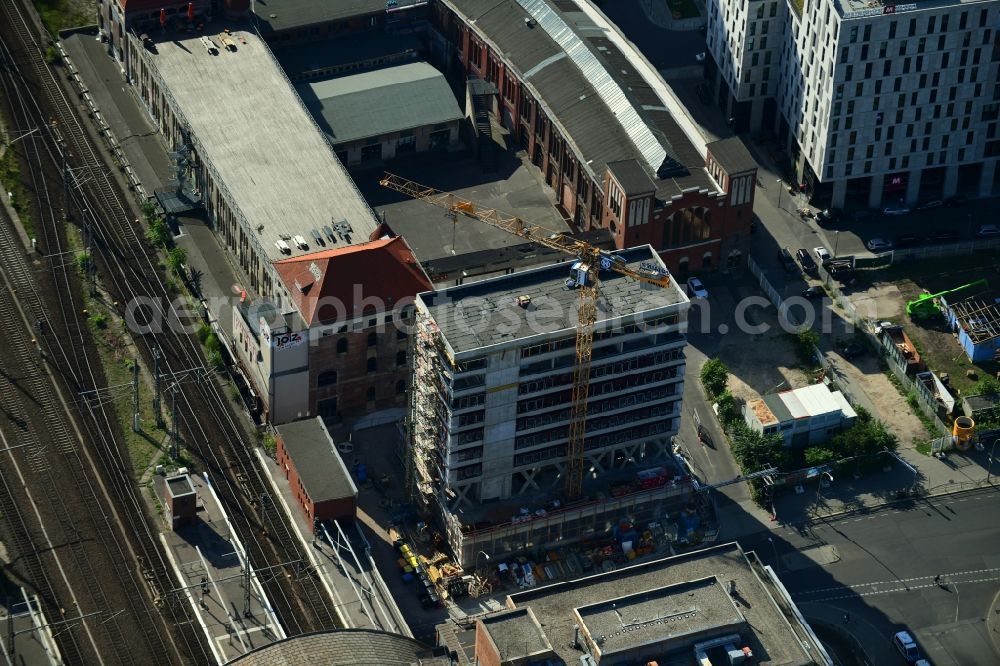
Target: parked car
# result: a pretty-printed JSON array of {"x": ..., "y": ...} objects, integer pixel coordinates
[
  {"x": 696, "y": 289},
  {"x": 943, "y": 235},
  {"x": 786, "y": 260},
  {"x": 815, "y": 291},
  {"x": 700, "y": 57},
  {"x": 908, "y": 240},
  {"x": 987, "y": 230},
  {"x": 863, "y": 216},
  {"x": 933, "y": 203},
  {"x": 895, "y": 210},
  {"x": 805, "y": 260},
  {"x": 829, "y": 215},
  {"x": 852, "y": 350},
  {"x": 904, "y": 643},
  {"x": 878, "y": 245},
  {"x": 822, "y": 254}
]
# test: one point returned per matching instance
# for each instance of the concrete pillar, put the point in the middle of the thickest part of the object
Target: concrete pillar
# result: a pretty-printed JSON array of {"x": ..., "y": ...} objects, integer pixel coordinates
[
  {"x": 913, "y": 187},
  {"x": 839, "y": 193},
  {"x": 986, "y": 178},
  {"x": 950, "y": 181},
  {"x": 875, "y": 195}
]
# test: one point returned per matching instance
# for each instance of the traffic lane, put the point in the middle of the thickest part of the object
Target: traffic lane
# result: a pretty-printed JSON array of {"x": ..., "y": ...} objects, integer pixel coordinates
[
  {"x": 886, "y": 566},
  {"x": 963, "y": 220},
  {"x": 664, "y": 48}
]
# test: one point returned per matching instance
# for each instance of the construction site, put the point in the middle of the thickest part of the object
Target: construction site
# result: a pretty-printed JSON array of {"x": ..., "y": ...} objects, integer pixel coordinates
[{"x": 544, "y": 402}]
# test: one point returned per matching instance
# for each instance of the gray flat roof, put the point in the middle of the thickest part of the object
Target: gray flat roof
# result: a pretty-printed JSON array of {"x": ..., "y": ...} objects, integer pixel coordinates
[
  {"x": 274, "y": 15},
  {"x": 317, "y": 463},
  {"x": 664, "y": 614},
  {"x": 554, "y": 604},
  {"x": 381, "y": 101},
  {"x": 254, "y": 130},
  {"x": 347, "y": 49},
  {"x": 486, "y": 313},
  {"x": 516, "y": 633}
]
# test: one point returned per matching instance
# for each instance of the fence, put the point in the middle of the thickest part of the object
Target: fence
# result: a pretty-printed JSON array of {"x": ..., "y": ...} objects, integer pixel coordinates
[
  {"x": 946, "y": 250},
  {"x": 771, "y": 293}
]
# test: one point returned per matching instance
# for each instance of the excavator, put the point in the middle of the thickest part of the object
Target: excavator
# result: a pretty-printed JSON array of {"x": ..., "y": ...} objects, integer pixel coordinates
[{"x": 925, "y": 306}]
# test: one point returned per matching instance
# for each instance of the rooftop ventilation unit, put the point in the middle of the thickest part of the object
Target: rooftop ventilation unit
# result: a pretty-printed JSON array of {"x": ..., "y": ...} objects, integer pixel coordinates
[
  {"x": 301, "y": 242},
  {"x": 283, "y": 246}
]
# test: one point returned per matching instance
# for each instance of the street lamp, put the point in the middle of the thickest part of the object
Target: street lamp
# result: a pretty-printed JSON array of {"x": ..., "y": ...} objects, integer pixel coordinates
[
  {"x": 989, "y": 460},
  {"x": 485, "y": 555},
  {"x": 836, "y": 242},
  {"x": 819, "y": 487}
]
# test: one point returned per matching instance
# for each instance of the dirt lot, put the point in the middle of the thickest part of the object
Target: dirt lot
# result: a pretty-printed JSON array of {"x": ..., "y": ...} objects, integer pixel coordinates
[
  {"x": 886, "y": 300},
  {"x": 771, "y": 367}
]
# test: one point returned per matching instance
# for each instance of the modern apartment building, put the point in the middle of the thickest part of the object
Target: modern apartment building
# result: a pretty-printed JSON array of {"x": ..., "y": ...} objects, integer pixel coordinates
[
  {"x": 877, "y": 104},
  {"x": 491, "y": 401}
]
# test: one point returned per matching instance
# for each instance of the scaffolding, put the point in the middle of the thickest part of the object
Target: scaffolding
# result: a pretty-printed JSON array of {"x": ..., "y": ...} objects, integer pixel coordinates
[{"x": 427, "y": 431}]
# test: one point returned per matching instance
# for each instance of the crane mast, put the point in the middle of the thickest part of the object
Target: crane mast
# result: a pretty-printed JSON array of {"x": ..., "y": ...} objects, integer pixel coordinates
[{"x": 592, "y": 259}]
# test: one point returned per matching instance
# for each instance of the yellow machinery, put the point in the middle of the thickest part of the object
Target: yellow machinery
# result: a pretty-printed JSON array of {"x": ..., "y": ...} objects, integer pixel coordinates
[
  {"x": 592, "y": 261},
  {"x": 963, "y": 431}
]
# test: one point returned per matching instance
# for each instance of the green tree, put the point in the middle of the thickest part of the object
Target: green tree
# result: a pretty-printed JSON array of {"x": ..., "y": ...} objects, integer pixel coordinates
[
  {"x": 176, "y": 259},
  {"x": 818, "y": 455},
  {"x": 728, "y": 411},
  {"x": 204, "y": 330},
  {"x": 986, "y": 386},
  {"x": 714, "y": 375},
  {"x": 215, "y": 359},
  {"x": 867, "y": 436},
  {"x": 754, "y": 451},
  {"x": 805, "y": 342},
  {"x": 83, "y": 262},
  {"x": 158, "y": 234}
]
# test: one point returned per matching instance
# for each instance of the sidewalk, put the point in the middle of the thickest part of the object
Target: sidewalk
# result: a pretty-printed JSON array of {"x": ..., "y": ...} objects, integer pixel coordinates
[{"x": 874, "y": 644}]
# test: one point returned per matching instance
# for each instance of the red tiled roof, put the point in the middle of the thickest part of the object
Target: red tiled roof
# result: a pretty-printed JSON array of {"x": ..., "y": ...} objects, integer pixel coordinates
[{"x": 372, "y": 275}]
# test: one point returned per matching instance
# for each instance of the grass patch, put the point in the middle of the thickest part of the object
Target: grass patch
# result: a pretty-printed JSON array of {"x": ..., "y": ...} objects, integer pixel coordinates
[
  {"x": 683, "y": 9},
  {"x": 10, "y": 178},
  {"x": 112, "y": 342},
  {"x": 924, "y": 447},
  {"x": 61, "y": 14}
]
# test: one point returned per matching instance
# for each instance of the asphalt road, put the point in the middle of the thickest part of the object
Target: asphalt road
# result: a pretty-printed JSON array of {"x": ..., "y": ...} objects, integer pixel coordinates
[{"x": 880, "y": 567}]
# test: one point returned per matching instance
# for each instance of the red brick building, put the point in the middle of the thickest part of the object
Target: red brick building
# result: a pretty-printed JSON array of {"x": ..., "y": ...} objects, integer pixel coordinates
[
  {"x": 316, "y": 473},
  {"x": 601, "y": 133}
]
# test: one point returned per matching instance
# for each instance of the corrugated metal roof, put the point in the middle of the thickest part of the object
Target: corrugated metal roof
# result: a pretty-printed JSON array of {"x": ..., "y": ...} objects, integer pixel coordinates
[
  {"x": 809, "y": 401},
  {"x": 607, "y": 88}
]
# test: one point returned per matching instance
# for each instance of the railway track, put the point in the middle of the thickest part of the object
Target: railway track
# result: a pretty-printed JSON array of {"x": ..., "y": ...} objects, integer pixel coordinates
[{"x": 129, "y": 270}]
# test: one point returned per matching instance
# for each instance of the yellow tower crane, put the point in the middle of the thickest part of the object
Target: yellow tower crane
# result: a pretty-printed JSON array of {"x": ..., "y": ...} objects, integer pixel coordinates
[{"x": 592, "y": 261}]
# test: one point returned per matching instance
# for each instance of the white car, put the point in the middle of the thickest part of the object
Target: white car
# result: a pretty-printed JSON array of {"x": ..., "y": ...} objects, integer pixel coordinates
[
  {"x": 987, "y": 230},
  {"x": 822, "y": 254},
  {"x": 700, "y": 57},
  {"x": 696, "y": 289},
  {"x": 878, "y": 245}
]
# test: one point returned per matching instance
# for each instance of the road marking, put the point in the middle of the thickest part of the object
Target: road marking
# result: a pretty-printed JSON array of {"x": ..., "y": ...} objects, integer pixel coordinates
[
  {"x": 909, "y": 588},
  {"x": 947, "y": 577}
]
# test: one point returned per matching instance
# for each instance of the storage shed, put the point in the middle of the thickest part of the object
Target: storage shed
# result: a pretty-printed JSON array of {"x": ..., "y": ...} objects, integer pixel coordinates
[{"x": 318, "y": 476}]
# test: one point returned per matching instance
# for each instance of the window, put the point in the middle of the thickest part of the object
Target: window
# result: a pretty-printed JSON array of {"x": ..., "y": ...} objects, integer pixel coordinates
[
  {"x": 853, "y": 34},
  {"x": 400, "y": 387},
  {"x": 930, "y": 24},
  {"x": 888, "y": 148},
  {"x": 327, "y": 378},
  {"x": 342, "y": 346},
  {"x": 881, "y": 50},
  {"x": 868, "y": 72},
  {"x": 963, "y": 19},
  {"x": 372, "y": 365},
  {"x": 944, "y": 23},
  {"x": 844, "y": 54},
  {"x": 892, "y": 30},
  {"x": 372, "y": 340},
  {"x": 370, "y": 394},
  {"x": 905, "y": 163},
  {"x": 868, "y": 32},
  {"x": 941, "y": 43},
  {"x": 921, "y": 43},
  {"x": 902, "y": 48},
  {"x": 892, "y": 163},
  {"x": 849, "y": 72},
  {"x": 913, "y": 27},
  {"x": 400, "y": 358}
]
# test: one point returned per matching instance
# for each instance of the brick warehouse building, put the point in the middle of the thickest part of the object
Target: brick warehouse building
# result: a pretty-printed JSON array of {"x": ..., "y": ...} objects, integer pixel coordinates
[{"x": 621, "y": 161}]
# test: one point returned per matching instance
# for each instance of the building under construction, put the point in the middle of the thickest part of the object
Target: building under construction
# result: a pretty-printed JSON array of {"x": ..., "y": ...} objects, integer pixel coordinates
[{"x": 492, "y": 403}]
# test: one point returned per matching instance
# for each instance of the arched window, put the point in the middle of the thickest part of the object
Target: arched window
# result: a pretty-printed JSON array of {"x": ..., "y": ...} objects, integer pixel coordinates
[
  {"x": 327, "y": 378},
  {"x": 371, "y": 394},
  {"x": 400, "y": 358},
  {"x": 342, "y": 346},
  {"x": 372, "y": 339},
  {"x": 372, "y": 365}
]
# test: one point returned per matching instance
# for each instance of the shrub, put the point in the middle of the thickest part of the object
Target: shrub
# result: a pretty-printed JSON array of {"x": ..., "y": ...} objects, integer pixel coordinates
[
  {"x": 176, "y": 259},
  {"x": 158, "y": 234},
  {"x": 99, "y": 320},
  {"x": 204, "y": 330},
  {"x": 986, "y": 386},
  {"x": 714, "y": 375},
  {"x": 728, "y": 411},
  {"x": 805, "y": 343},
  {"x": 215, "y": 360},
  {"x": 818, "y": 455},
  {"x": 83, "y": 262}
]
